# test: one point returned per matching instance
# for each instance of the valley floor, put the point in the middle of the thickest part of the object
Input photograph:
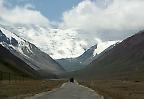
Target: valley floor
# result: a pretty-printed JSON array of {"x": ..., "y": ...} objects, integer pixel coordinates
[
  {"x": 110, "y": 89},
  {"x": 117, "y": 89},
  {"x": 18, "y": 89}
]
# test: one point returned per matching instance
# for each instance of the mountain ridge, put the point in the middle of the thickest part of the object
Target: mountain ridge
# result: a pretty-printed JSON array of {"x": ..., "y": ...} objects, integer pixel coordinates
[
  {"x": 11, "y": 64},
  {"x": 124, "y": 59},
  {"x": 29, "y": 53},
  {"x": 73, "y": 64}
]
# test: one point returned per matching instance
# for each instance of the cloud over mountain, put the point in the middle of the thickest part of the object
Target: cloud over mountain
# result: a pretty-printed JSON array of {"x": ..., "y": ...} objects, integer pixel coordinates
[
  {"x": 106, "y": 19},
  {"x": 90, "y": 22}
]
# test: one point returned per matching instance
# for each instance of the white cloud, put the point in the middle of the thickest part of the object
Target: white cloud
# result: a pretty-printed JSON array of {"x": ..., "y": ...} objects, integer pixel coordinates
[
  {"x": 56, "y": 42},
  {"x": 116, "y": 21},
  {"x": 22, "y": 15}
]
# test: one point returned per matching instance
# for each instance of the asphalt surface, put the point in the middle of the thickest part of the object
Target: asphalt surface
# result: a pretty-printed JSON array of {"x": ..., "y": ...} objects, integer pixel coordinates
[{"x": 69, "y": 91}]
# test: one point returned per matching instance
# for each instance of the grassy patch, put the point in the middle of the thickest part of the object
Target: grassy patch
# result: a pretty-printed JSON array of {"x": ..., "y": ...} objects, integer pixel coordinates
[
  {"x": 116, "y": 89},
  {"x": 28, "y": 87}
]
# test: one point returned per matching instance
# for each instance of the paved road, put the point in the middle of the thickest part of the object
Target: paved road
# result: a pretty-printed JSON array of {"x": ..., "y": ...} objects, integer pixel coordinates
[{"x": 69, "y": 91}]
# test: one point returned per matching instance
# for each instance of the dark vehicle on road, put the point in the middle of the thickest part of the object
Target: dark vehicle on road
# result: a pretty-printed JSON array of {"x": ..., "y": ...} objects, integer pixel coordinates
[{"x": 72, "y": 80}]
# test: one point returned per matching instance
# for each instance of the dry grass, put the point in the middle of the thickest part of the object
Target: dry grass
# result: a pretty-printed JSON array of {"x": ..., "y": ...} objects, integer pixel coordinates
[
  {"x": 25, "y": 88},
  {"x": 117, "y": 89}
]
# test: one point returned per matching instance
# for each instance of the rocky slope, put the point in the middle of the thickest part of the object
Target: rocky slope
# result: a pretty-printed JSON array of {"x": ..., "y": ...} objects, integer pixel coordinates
[
  {"x": 123, "y": 61},
  {"x": 29, "y": 53}
]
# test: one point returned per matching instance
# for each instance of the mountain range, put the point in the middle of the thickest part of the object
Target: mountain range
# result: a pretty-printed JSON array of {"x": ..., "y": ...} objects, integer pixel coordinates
[
  {"x": 73, "y": 64},
  {"x": 116, "y": 62},
  {"x": 57, "y": 43},
  {"x": 29, "y": 54},
  {"x": 123, "y": 61}
]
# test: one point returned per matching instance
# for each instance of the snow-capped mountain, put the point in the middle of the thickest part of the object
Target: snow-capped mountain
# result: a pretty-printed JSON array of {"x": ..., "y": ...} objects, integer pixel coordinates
[
  {"x": 58, "y": 43},
  {"x": 28, "y": 52},
  {"x": 122, "y": 61},
  {"x": 73, "y": 64}
]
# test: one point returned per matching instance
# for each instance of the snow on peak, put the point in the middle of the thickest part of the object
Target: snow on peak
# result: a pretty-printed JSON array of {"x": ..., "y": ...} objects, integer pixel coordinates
[
  {"x": 10, "y": 35},
  {"x": 101, "y": 46},
  {"x": 21, "y": 43},
  {"x": 58, "y": 43}
]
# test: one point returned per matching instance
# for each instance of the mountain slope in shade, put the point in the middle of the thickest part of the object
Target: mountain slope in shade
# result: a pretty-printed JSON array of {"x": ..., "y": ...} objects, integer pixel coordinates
[
  {"x": 12, "y": 64},
  {"x": 29, "y": 53},
  {"x": 124, "y": 61},
  {"x": 73, "y": 64}
]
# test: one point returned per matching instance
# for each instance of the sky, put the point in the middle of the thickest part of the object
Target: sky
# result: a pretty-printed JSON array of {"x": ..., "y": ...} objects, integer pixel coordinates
[
  {"x": 52, "y": 9},
  {"x": 89, "y": 22}
]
